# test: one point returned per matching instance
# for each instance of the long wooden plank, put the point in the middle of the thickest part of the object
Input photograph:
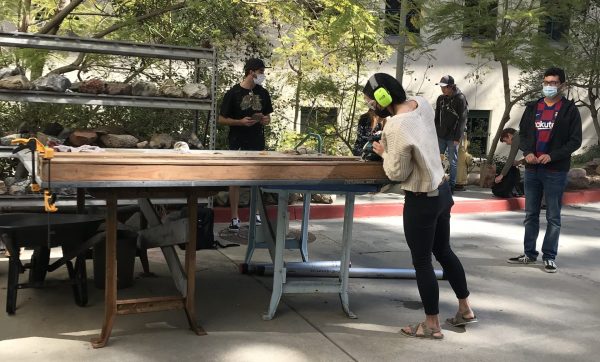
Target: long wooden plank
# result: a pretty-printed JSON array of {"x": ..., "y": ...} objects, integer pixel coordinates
[
  {"x": 316, "y": 172},
  {"x": 194, "y": 162},
  {"x": 177, "y": 158},
  {"x": 201, "y": 155}
]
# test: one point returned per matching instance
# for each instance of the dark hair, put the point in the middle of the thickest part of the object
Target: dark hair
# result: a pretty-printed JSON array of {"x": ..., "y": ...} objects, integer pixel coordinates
[
  {"x": 388, "y": 82},
  {"x": 506, "y": 132},
  {"x": 555, "y": 71},
  {"x": 253, "y": 64}
]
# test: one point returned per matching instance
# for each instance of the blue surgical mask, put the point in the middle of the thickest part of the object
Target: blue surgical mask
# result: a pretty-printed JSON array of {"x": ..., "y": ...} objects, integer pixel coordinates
[{"x": 550, "y": 91}]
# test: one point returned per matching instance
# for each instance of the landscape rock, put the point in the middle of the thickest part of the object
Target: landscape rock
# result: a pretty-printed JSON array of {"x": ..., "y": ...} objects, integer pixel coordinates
[
  {"x": 92, "y": 86},
  {"x": 5, "y": 141},
  {"x": 168, "y": 88},
  {"x": 16, "y": 82},
  {"x": 119, "y": 141},
  {"x": 19, "y": 187},
  {"x": 82, "y": 137},
  {"x": 115, "y": 88},
  {"x": 144, "y": 89},
  {"x": 52, "y": 82},
  {"x": 577, "y": 179},
  {"x": 195, "y": 90},
  {"x": 161, "y": 140},
  {"x": 8, "y": 72}
]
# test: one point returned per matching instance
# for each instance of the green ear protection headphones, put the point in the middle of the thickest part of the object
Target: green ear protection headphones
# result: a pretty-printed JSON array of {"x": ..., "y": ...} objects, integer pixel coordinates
[{"x": 382, "y": 96}]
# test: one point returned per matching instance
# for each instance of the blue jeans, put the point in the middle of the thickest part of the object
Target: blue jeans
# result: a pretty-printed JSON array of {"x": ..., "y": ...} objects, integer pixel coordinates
[
  {"x": 550, "y": 185},
  {"x": 448, "y": 145}
]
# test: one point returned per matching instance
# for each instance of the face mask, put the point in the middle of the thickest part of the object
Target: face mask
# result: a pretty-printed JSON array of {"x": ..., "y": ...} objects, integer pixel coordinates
[
  {"x": 549, "y": 91},
  {"x": 260, "y": 78}
]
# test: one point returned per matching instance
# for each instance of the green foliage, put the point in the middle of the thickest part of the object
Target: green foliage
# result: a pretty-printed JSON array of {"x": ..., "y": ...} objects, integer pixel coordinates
[
  {"x": 581, "y": 56},
  {"x": 140, "y": 122},
  {"x": 325, "y": 46},
  {"x": 211, "y": 23},
  {"x": 504, "y": 32},
  {"x": 499, "y": 162},
  {"x": 588, "y": 154},
  {"x": 331, "y": 143},
  {"x": 7, "y": 167}
]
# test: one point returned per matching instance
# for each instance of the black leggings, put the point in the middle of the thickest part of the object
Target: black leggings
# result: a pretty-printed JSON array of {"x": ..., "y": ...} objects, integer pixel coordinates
[{"x": 427, "y": 231}]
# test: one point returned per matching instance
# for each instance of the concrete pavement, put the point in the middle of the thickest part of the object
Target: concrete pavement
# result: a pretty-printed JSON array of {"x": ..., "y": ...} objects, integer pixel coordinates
[{"x": 525, "y": 314}]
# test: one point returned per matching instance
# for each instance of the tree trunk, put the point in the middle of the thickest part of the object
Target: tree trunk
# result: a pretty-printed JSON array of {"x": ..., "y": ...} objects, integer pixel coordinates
[
  {"x": 25, "y": 10},
  {"x": 594, "y": 114},
  {"x": 297, "y": 97},
  {"x": 508, "y": 104},
  {"x": 400, "y": 50},
  {"x": 594, "y": 111}
]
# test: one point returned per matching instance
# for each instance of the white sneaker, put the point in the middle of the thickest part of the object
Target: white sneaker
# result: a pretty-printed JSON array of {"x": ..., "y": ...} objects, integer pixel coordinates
[
  {"x": 258, "y": 220},
  {"x": 521, "y": 259},
  {"x": 550, "y": 266},
  {"x": 235, "y": 224}
]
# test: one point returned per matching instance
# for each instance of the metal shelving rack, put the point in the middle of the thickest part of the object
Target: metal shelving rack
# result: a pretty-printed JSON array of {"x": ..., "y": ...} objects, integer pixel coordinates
[{"x": 100, "y": 46}]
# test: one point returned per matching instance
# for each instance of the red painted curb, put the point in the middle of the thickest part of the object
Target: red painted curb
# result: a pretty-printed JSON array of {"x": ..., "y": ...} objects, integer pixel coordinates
[{"x": 320, "y": 211}]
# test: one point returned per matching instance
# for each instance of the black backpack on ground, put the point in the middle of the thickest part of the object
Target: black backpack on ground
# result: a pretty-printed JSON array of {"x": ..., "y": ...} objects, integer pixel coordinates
[{"x": 205, "y": 237}]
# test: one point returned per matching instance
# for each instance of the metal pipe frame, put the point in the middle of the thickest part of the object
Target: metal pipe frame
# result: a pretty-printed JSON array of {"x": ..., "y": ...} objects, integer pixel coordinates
[{"x": 101, "y": 46}]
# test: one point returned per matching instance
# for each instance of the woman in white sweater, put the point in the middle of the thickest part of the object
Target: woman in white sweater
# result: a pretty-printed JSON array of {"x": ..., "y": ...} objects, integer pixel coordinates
[{"x": 411, "y": 158}]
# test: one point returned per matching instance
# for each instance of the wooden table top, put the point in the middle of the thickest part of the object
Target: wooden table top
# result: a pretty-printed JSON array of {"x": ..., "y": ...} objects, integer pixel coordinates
[{"x": 163, "y": 168}]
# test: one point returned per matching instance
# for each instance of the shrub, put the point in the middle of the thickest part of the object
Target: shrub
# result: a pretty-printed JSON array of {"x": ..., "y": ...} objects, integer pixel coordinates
[{"x": 590, "y": 152}]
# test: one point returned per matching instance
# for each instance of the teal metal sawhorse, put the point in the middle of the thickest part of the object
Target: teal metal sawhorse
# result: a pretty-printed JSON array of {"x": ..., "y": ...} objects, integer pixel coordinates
[{"x": 276, "y": 242}]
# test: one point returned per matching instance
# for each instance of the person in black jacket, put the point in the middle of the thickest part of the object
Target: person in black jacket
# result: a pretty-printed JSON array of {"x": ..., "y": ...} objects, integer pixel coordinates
[
  {"x": 550, "y": 131},
  {"x": 509, "y": 178},
  {"x": 450, "y": 119},
  {"x": 369, "y": 124}
]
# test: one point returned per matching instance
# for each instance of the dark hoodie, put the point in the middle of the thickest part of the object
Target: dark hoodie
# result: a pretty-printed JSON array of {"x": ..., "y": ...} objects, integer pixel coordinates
[
  {"x": 451, "y": 116},
  {"x": 565, "y": 137}
]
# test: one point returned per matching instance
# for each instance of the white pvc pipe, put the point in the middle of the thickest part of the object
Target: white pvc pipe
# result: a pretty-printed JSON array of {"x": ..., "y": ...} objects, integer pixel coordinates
[{"x": 331, "y": 269}]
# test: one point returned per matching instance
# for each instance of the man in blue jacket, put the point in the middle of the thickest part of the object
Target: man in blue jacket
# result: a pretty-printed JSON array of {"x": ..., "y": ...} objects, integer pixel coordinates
[{"x": 550, "y": 131}]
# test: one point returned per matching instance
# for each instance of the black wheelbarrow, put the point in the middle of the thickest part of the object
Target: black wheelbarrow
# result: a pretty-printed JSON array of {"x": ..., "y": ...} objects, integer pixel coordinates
[{"x": 40, "y": 232}]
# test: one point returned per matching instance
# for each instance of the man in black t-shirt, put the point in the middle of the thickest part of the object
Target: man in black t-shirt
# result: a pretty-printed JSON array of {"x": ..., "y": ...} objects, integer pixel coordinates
[{"x": 246, "y": 109}]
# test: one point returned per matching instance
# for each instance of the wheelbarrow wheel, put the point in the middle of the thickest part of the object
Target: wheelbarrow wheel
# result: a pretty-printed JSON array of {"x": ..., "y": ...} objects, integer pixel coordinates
[{"x": 78, "y": 276}]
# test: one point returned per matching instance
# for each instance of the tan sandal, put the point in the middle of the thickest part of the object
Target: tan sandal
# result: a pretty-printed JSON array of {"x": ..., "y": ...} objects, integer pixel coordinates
[
  {"x": 459, "y": 320},
  {"x": 428, "y": 333}
]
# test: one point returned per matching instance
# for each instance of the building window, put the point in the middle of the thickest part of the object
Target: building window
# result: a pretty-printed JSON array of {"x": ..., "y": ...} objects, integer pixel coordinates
[
  {"x": 478, "y": 124},
  {"x": 392, "y": 17},
  {"x": 315, "y": 118},
  {"x": 556, "y": 25},
  {"x": 487, "y": 13}
]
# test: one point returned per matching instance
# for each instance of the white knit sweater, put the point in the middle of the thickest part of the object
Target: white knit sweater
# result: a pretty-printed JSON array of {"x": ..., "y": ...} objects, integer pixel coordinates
[{"x": 412, "y": 154}]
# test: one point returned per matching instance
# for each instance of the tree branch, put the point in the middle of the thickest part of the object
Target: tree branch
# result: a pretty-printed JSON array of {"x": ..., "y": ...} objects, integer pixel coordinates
[
  {"x": 138, "y": 19},
  {"x": 76, "y": 64},
  {"x": 59, "y": 17}
]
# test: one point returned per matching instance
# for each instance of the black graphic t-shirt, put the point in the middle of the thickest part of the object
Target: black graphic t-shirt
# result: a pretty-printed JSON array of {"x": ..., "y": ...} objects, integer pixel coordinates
[{"x": 240, "y": 102}]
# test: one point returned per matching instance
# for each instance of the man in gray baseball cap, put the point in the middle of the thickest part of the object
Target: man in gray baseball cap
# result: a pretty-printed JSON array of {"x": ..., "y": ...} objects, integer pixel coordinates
[{"x": 450, "y": 120}]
